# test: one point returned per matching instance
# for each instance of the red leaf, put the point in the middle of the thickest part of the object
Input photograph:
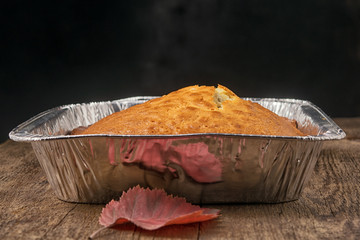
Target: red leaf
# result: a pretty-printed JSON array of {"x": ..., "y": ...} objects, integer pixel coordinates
[{"x": 153, "y": 209}]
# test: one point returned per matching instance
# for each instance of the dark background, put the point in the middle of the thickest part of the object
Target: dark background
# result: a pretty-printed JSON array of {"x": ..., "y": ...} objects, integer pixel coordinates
[{"x": 80, "y": 51}]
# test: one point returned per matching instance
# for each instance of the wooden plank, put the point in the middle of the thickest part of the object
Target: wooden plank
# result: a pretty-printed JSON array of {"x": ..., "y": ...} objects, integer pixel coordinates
[
  {"x": 351, "y": 126},
  {"x": 328, "y": 207},
  {"x": 28, "y": 206}
]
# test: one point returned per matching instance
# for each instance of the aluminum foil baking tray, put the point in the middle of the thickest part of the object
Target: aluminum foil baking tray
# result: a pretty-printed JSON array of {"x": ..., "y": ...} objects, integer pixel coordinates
[{"x": 203, "y": 168}]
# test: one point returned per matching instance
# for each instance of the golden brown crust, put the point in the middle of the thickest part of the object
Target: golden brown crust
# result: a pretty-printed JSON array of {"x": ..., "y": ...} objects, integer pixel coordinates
[{"x": 195, "y": 109}]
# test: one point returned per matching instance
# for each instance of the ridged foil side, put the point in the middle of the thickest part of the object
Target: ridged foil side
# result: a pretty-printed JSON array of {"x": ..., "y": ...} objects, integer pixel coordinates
[{"x": 203, "y": 168}]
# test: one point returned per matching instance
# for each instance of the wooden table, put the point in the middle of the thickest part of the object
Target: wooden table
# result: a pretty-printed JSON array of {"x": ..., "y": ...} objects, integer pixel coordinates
[{"x": 328, "y": 209}]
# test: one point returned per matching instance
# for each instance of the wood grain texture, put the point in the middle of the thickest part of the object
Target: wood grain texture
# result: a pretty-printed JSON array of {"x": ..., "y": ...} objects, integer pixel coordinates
[{"x": 327, "y": 209}]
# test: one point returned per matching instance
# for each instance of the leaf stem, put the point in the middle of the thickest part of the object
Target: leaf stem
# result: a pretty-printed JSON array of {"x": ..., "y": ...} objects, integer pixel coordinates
[{"x": 97, "y": 231}]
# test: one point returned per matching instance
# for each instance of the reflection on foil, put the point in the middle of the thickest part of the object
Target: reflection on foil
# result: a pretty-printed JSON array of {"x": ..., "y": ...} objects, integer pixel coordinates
[
  {"x": 263, "y": 149},
  {"x": 160, "y": 155}
]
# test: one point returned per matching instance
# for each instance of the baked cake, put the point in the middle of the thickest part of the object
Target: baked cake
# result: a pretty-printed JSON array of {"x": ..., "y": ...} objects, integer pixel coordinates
[{"x": 196, "y": 109}]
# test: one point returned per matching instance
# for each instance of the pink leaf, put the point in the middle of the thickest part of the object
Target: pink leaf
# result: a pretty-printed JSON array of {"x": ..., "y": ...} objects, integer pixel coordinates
[{"x": 153, "y": 209}]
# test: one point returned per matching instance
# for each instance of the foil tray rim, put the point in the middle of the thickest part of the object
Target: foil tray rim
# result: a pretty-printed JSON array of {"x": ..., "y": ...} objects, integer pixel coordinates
[{"x": 19, "y": 133}]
